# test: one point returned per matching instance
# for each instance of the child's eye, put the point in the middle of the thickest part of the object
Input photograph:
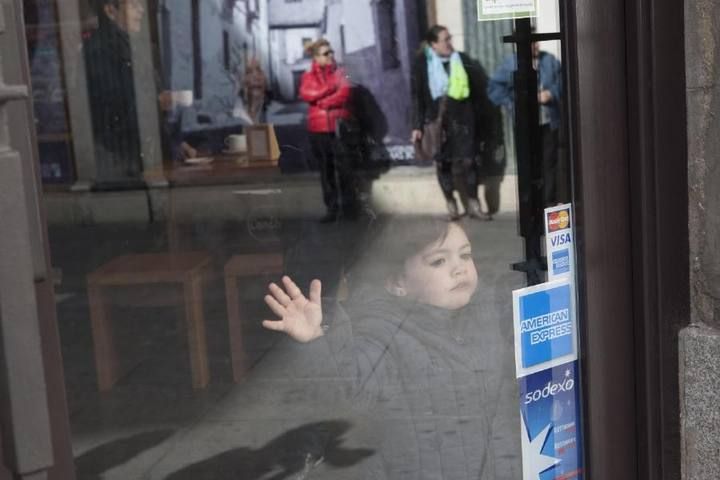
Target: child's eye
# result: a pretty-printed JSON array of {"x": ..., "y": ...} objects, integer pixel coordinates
[
  {"x": 437, "y": 262},
  {"x": 466, "y": 256}
]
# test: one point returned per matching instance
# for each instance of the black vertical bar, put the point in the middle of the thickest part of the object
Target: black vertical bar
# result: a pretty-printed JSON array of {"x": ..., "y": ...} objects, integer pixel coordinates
[
  {"x": 166, "y": 47},
  {"x": 197, "y": 50},
  {"x": 528, "y": 148},
  {"x": 226, "y": 50}
]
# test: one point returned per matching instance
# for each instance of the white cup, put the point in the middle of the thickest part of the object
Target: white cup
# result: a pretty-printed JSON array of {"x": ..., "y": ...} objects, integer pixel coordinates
[
  {"x": 183, "y": 98},
  {"x": 236, "y": 143}
]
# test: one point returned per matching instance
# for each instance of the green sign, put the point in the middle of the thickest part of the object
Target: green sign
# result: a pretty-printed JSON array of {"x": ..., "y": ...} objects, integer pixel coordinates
[{"x": 506, "y": 9}]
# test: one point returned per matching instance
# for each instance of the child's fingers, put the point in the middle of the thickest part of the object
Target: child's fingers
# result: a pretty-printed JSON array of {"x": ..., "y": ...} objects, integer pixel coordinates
[
  {"x": 316, "y": 291},
  {"x": 292, "y": 289},
  {"x": 278, "y": 326},
  {"x": 280, "y": 295},
  {"x": 275, "y": 306}
]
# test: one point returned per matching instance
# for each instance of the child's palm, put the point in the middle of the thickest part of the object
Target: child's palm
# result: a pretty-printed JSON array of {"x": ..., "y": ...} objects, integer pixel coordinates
[
  {"x": 303, "y": 319},
  {"x": 300, "y": 317}
]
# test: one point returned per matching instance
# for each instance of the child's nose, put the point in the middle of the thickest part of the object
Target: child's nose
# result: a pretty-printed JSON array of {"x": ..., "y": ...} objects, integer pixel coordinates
[{"x": 459, "y": 268}]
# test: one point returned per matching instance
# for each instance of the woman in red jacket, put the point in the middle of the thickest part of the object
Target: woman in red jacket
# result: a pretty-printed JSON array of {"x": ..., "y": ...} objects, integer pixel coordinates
[{"x": 327, "y": 90}]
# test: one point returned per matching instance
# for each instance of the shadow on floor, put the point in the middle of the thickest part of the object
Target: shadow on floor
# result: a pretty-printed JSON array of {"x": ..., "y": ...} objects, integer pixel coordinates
[
  {"x": 91, "y": 464},
  {"x": 291, "y": 455}
]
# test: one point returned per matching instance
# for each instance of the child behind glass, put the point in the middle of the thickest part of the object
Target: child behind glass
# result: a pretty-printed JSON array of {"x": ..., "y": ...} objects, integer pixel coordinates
[{"x": 433, "y": 375}]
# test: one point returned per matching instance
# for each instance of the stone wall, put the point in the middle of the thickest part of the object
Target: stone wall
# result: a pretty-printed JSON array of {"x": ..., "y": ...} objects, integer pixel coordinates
[
  {"x": 699, "y": 384},
  {"x": 700, "y": 343}
]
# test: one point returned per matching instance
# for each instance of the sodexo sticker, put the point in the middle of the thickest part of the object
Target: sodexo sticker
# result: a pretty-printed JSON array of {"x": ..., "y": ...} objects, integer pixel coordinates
[
  {"x": 545, "y": 326},
  {"x": 552, "y": 431}
]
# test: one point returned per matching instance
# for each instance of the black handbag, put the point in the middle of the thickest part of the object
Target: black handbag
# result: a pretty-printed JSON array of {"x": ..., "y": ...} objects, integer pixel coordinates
[{"x": 348, "y": 132}]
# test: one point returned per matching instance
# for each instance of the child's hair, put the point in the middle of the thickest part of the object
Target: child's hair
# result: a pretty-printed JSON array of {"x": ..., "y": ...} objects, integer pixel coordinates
[
  {"x": 313, "y": 48},
  {"x": 392, "y": 242}
]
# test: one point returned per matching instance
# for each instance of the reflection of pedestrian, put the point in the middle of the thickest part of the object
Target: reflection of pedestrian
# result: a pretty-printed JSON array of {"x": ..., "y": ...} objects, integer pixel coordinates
[
  {"x": 501, "y": 92},
  {"x": 327, "y": 90},
  {"x": 110, "y": 67},
  {"x": 449, "y": 87},
  {"x": 254, "y": 89}
]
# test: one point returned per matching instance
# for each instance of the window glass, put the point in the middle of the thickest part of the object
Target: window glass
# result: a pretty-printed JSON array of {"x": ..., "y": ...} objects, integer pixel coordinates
[{"x": 287, "y": 232}]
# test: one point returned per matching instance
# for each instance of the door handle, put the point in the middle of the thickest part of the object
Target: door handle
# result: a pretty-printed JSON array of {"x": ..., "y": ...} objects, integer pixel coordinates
[{"x": 9, "y": 93}]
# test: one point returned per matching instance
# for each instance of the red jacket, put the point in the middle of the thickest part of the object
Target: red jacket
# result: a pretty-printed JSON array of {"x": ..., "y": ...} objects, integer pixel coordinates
[{"x": 327, "y": 90}]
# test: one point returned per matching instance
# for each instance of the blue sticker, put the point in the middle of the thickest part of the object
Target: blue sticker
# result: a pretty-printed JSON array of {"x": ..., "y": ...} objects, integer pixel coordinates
[
  {"x": 546, "y": 326},
  {"x": 552, "y": 433},
  {"x": 561, "y": 262}
]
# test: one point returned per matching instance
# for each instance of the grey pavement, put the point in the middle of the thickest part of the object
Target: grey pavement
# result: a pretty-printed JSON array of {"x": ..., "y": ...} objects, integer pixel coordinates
[{"x": 152, "y": 425}]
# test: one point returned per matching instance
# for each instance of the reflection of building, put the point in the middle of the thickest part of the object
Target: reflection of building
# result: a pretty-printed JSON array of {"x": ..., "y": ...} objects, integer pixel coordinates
[
  {"x": 378, "y": 40},
  {"x": 225, "y": 34},
  {"x": 374, "y": 39},
  {"x": 292, "y": 26}
]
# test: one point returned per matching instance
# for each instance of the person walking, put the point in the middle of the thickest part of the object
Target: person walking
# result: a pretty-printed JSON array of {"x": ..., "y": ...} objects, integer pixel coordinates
[
  {"x": 449, "y": 88},
  {"x": 326, "y": 89},
  {"x": 501, "y": 91}
]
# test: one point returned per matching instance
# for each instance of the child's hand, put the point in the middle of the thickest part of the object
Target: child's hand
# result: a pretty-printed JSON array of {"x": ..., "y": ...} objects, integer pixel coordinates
[{"x": 299, "y": 317}]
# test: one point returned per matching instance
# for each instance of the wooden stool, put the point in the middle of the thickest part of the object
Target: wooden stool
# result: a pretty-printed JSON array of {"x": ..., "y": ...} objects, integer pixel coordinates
[
  {"x": 244, "y": 266},
  {"x": 185, "y": 269}
]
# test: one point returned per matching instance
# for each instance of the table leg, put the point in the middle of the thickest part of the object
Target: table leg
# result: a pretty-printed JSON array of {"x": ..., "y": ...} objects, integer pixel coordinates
[
  {"x": 173, "y": 227},
  {"x": 237, "y": 350},
  {"x": 195, "y": 324},
  {"x": 106, "y": 361}
]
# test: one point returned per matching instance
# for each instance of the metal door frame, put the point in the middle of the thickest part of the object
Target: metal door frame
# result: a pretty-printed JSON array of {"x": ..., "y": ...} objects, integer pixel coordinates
[
  {"x": 629, "y": 145},
  {"x": 35, "y": 425}
]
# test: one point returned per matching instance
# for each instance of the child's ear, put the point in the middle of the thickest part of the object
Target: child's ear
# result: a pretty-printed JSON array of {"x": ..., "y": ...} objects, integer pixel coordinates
[{"x": 395, "y": 285}]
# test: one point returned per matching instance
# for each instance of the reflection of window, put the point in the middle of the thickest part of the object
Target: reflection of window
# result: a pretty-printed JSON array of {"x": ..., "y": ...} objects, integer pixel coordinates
[
  {"x": 386, "y": 31},
  {"x": 226, "y": 49},
  {"x": 253, "y": 9},
  {"x": 293, "y": 1},
  {"x": 306, "y": 42}
]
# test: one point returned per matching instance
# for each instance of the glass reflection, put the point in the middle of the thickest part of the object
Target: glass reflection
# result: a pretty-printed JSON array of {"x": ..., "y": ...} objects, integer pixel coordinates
[{"x": 285, "y": 231}]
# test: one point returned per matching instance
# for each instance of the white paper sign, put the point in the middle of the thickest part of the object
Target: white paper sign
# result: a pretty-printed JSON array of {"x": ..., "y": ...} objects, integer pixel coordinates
[
  {"x": 559, "y": 242},
  {"x": 506, "y": 9}
]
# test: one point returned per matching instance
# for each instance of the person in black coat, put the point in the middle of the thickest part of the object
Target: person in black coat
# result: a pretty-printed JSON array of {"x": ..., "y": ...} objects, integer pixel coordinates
[
  {"x": 470, "y": 125},
  {"x": 111, "y": 68}
]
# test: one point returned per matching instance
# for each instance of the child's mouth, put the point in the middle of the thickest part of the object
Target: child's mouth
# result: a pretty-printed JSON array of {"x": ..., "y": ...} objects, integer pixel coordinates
[{"x": 460, "y": 286}]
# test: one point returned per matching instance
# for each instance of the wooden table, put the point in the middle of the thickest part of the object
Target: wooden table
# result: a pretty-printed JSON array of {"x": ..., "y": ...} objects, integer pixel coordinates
[
  {"x": 223, "y": 169},
  {"x": 226, "y": 169},
  {"x": 185, "y": 269},
  {"x": 237, "y": 267}
]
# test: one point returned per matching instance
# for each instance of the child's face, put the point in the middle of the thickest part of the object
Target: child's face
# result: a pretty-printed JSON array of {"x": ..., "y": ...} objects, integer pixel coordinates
[{"x": 443, "y": 273}]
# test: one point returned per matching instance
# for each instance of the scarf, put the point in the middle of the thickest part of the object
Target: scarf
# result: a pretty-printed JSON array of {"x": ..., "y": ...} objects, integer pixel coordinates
[{"x": 456, "y": 85}]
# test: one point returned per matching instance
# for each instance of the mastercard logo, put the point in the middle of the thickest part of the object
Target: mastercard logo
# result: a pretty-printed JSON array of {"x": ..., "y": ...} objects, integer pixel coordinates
[{"x": 558, "y": 220}]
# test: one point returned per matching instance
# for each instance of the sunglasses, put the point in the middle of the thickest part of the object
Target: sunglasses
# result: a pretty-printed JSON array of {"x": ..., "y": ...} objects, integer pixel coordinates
[{"x": 327, "y": 53}]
